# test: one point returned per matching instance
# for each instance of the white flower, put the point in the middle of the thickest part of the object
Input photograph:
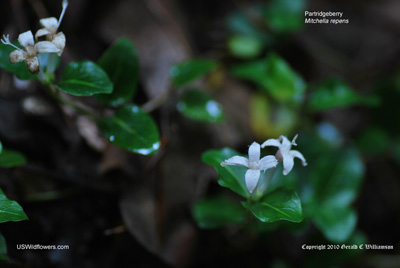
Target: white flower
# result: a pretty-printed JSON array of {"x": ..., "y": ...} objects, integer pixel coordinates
[
  {"x": 284, "y": 153},
  {"x": 50, "y": 30},
  {"x": 30, "y": 51},
  {"x": 254, "y": 165}
]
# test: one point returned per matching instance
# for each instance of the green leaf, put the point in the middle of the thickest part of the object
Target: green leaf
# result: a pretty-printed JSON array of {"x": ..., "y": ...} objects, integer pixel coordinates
[
  {"x": 243, "y": 46},
  {"x": 1, "y": 147},
  {"x": 337, "y": 177},
  {"x": 217, "y": 211},
  {"x": 282, "y": 204},
  {"x": 285, "y": 15},
  {"x": 19, "y": 69},
  {"x": 84, "y": 78},
  {"x": 3, "y": 248},
  {"x": 121, "y": 64},
  {"x": 274, "y": 76},
  {"x": 336, "y": 223},
  {"x": 187, "y": 71},
  {"x": 10, "y": 210},
  {"x": 197, "y": 105},
  {"x": 231, "y": 177},
  {"x": 10, "y": 158},
  {"x": 334, "y": 93},
  {"x": 132, "y": 129}
]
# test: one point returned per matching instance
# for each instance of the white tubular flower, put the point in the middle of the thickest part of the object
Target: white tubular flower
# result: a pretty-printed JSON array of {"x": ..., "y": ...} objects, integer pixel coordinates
[
  {"x": 50, "y": 30},
  {"x": 254, "y": 165},
  {"x": 30, "y": 51},
  {"x": 284, "y": 153}
]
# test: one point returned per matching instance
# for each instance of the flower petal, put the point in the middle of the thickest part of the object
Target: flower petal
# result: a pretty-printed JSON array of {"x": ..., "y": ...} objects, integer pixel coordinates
[
  {"x": 46, "y": 47},
  {"x": 26, "y": 39},
  {"x": 286, "y": 144},
  {"x": 237, "y": 161},
  {"x": 268, "y": 162},
  {"x": 297, "y": 154},
  {"x": 271, "y": 142},
  {"x": 17, "y": 56},
  {"x": 42, "y": 32},
  {"x": 50, "y": 24},
  {"x": 33, "y": 64},
  {"x": 59, "y": 41},
  {"x": 254, "y": 152},
  {"x": 251, "y": 177},
  {"x": 288, "y": 163}
]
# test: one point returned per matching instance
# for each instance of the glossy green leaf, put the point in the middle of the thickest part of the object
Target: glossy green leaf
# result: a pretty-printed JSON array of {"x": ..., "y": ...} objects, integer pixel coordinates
[
  {"x": 218, "y": 211},
  {"x": 285, "y": 15},
  {"x": 85, "y": 78},
  {"x": 10, "y": 210},
  {"x": 121, "y": 64},
  {"x": 231, "y": 177},
  {"x": 187, "y": 71},
  {"x": 3, "y": 248},
  {"x": 10, "y": 158},
  {"x": 334, "y": 93},
  {"x": 19, "y": 69},
  {"x": 274, "y": 76},
  {"x": 337, "y": 177},
  {"x": 132, "y": 129},
  {"x": 281, "y": 204},
  {"x": 243, "y": 46},
  {"x": 197, "y": 105},
  {"x": 336, "y": 223}
]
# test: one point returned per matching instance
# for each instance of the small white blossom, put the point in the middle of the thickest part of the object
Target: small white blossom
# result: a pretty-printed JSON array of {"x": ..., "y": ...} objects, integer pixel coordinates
[
  {"x": 30, "y": 51},
  {"x": 50, "y": 30},
  {"x": 284, "y": 153},
  {"x": 254, "y": 165}
]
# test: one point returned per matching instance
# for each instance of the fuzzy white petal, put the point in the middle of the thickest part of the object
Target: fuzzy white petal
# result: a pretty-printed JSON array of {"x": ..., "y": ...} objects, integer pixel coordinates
[
  {"x": 26, "y": 39},
  {"x": 59, "y": 41},
  {"x": 288, "y": 163},
  {"x": 271, "y": 142},
  {"x": 46, "y": 47},
  {"x": 17, "y": 56},
  {"x": 33, "y": 65},
  {"x": 42, "y": 32},
  {"x": 254, "y": 152},
  {"x": 297, "y": 154},
  {"x": 251, "y": 177},
  {"x": 50, "y": 24},
  {"x": 268, "y": 162},
  {"x": 237, "y": 161},
  {"x": 286, "y": 144}
]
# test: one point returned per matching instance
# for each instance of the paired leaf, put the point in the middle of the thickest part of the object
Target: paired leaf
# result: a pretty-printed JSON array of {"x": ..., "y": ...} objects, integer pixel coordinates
[
  {"x": 121, "y": 64},
  {"x": 197, "y": 105},
  {"x": 10, "y": 210},
  {"x": 218, "y": 211},
  {"x": 245, "y": 46},
  {"x": 19, "y": 69},
  {"x": 334, "y": 93},
  {"x": 84, "y": 78},
  {"x": 10, "y": 158},
  {"x": 187, "y": 71},
  {"x": 285, "y": 15},
  {"x": 336, "y": 223},
  {"x": 282, "y": 204},
  {"x": 132, "y": 129},
  {"x": 231, "y": 177},
  {"x": 274, "y": 76}
]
